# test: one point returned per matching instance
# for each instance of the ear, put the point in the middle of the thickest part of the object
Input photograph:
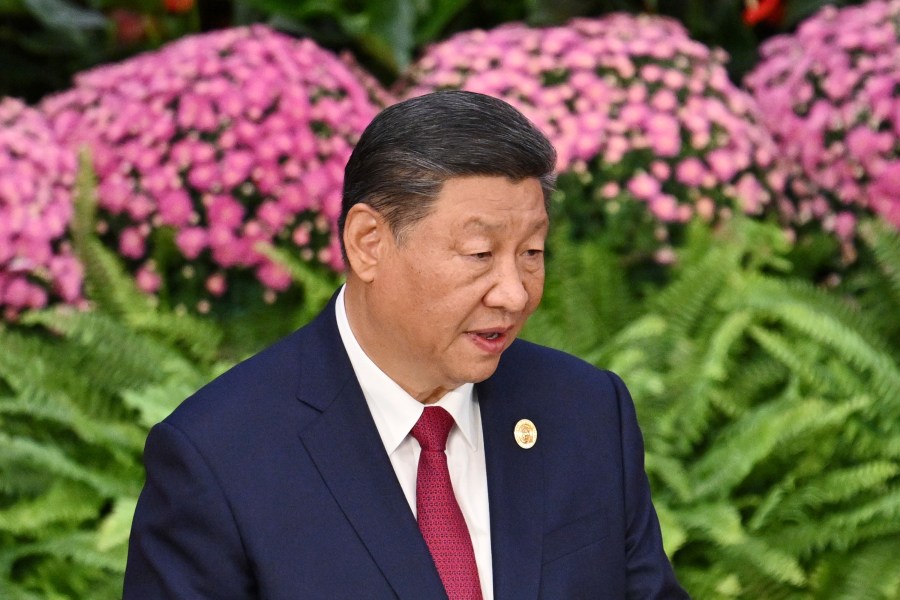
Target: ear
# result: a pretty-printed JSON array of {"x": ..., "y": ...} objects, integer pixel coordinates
[{"x": 365, "y": 234}]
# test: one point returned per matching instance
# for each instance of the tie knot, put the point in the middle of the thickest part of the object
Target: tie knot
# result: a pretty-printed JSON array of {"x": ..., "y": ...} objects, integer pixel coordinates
[{"x": 432, "y": 428}]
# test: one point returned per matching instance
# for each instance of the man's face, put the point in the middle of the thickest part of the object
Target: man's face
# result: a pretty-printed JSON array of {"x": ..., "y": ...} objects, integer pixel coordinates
[{"x": 453, "y": 294}]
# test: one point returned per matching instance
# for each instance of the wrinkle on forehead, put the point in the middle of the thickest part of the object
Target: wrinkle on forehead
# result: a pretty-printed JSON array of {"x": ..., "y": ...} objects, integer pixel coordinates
[{"x": 479, "y": 225}]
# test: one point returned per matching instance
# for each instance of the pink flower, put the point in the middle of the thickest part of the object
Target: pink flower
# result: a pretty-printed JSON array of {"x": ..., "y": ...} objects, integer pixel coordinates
[
  {"x": 644, "y": 186},
  {"x": 690, "y": 171},
  {"x": 275, "y": 277},
  {"x": 37, "y": 175},
  {"x": 829, "y": 96},
  {"x": 628, "y": 101},
  {"x": 211, "y": 133},
  {"x": 664, "y": 207},
  {"x": 845, "y": 225},
  {"x": 216, "y": 284},
  {"x": 176, "y": 208},
  {"x": 131, "y": 243},
  {"x": 225, "y": 211},
  {"x": 192, "y": 241},
  {"x": 147, "y": 280}
]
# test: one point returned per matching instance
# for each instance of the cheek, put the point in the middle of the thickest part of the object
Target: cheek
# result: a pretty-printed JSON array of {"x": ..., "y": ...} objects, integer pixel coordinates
[{"x": 535, "y": 288}]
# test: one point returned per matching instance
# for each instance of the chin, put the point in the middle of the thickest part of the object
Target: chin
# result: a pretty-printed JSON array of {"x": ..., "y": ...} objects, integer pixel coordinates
[{"x": 482, "y": 372}]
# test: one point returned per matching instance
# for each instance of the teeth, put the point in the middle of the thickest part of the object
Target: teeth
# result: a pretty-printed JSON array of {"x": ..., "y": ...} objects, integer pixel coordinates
[{"x": 491, "y": 336}]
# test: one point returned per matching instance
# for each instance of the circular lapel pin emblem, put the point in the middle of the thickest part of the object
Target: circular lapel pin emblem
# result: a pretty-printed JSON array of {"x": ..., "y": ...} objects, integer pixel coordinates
[{"x": 525, "y": 433}]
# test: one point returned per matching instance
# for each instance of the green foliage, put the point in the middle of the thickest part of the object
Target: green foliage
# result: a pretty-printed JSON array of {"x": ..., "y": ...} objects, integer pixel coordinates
[
  {"x": 43, "y": 43},
  {"x": 768, "y": 405},
  {"x": 78, "y": 392}
]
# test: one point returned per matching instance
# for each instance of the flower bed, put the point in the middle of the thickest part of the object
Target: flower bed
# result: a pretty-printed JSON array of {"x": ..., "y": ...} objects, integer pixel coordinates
[
  {"x": 215, "y": 145},
  {"x": 829, "y": 95},
  {"x": 37, "y": 176},
  {"x": 645, "y": 116}
]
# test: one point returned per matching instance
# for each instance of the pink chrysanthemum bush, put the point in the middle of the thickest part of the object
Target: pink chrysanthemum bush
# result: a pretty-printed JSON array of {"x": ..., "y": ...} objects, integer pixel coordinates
[
  {"x": 37, "y": 178},
  {"x": 645, "y": 119},
  {"x": 212, "y": 148},
  {"x": 829, "y": 93}
]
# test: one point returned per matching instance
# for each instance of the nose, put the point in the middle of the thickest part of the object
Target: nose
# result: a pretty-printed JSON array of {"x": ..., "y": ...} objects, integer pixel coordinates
[{"x": 508, "y": 289}]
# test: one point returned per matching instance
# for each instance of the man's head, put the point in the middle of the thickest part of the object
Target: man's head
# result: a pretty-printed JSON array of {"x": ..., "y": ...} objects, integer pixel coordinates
[
  {"x": 410, "y": 149},
  {"x": 444, "y": 224}
]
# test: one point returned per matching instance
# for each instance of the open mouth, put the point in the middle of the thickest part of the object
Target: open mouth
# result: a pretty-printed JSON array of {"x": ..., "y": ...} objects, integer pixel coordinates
[{"x": 489, "y": 336}]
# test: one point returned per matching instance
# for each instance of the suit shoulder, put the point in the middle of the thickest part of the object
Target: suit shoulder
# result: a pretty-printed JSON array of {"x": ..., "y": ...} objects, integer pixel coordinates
[{"x": 254, "y": 385}]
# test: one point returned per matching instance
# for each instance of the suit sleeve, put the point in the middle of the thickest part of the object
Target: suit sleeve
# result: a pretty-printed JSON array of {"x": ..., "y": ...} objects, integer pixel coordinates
[
  {"x": 648, "y": 570},
  {"x": 184, "y": 540}
]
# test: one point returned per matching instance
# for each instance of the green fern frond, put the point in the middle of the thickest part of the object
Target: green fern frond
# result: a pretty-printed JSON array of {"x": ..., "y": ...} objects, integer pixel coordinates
[
  {"x": 739, "y": 447},
  {"x": 768, "y": 560},
  {"x": 840, "y": 530},
  {"x": 12, "y": 591},
  {"x": 879, "y": 365},
  {"x": 834, "y": 487},
  {"x": 884, "y": 240},
  {"x": 719, "y": 522},
  {"x": 123, "y": 357},
  {"x": 106, "y": 282},
  {"x": 669, "y": 470},
  {"x": 711, "y": 583},
  {"x": 32, "y": 402},
  {"x": 805, "y": 369},
  {"x": 79, "y": 547},
  {"x": 674, "y": 536},
  {"x": 53, "y": 462},
  {"x": 688, "y": 298},
  {"x": 116, "y": 526},
  {"x": 871, "y": 572},
  {"x": 64, "y": 502},
  {"x": 153, "y": 403},
  {"x": 318, "y": 286},
  {"x": 113, "y": 291}
]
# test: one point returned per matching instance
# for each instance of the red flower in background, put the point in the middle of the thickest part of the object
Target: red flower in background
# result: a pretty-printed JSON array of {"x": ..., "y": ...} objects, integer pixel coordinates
[
  {"x": 178, "y": 6},
  {"x": 759, "y": 11}
]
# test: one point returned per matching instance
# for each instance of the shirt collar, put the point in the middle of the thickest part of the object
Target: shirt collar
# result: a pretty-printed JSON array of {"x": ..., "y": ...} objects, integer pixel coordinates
[{"x": 393, "y": 410}]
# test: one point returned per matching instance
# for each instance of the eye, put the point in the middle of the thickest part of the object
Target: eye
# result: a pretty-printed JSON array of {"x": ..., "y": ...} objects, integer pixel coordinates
[
  {"x": 480, "y": 255},
  {"x": 533, "y": 253}
]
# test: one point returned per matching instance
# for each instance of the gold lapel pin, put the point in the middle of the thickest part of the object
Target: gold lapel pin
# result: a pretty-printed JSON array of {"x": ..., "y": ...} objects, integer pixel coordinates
[{"x": 525, "y": 433}]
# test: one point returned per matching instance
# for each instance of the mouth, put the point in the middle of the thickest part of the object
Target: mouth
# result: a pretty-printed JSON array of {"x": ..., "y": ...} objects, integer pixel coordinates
[
  {"x": 489, "y": 336},
  {"x": 492, "y": 341}
]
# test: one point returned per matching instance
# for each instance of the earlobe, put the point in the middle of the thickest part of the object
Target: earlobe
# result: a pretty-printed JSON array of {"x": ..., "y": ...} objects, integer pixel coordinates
[{"x": 363, "y": 238}]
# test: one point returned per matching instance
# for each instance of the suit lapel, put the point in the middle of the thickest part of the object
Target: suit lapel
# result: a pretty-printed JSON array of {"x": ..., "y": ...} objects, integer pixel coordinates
[
  {"x": 344, "y": 444},
  {"x": 515, "y": 489}
]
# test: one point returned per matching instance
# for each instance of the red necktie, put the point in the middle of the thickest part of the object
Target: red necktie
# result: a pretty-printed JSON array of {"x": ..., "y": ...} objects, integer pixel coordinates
[{"x": 440, "y": 519}]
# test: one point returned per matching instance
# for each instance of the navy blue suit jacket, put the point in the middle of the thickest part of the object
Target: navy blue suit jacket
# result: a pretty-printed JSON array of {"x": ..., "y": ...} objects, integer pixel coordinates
[{"x": 272, "y": 482}]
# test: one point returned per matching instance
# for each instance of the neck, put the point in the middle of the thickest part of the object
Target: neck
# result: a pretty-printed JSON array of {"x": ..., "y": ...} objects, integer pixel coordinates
[{"x": 365, "y": 330}]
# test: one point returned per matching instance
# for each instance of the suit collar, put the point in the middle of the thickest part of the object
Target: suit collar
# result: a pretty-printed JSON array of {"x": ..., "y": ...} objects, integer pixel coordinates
[
  {"x": 515, "y": 487},
  {"x": 344, "y": 444}
]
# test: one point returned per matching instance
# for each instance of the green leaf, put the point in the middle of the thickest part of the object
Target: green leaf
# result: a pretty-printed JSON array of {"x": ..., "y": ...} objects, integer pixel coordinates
[{"x": 59, "y": 14}]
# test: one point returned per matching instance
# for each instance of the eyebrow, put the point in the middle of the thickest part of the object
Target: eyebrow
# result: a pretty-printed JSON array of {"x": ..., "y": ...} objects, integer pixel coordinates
[{"x": 480, "y": 225}]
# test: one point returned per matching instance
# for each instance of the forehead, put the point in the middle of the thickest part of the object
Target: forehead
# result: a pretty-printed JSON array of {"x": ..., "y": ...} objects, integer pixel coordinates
[{"x": 491, "y": 203}]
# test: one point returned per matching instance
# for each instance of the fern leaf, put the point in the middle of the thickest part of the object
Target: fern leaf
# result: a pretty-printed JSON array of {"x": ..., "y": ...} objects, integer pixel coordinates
[
  {"x": 64, "y": 502},
  {"x": 106, "y": 282},
  {"x": 770, "y": 561},
  {"x": 741, "y": 446},
  {"x": 835, "y": 486},
  {"x": 116, "y": 527},
  {"x": 872, "y": 572},
  {"x": 51, "y": 460}
]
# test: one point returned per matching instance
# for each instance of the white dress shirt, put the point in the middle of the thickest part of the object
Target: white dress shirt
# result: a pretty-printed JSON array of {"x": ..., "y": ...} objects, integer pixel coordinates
[{"x": 395, "y": 412}]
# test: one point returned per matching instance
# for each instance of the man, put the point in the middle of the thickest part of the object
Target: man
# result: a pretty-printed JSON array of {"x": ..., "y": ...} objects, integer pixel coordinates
[{"x": 311, "y": 470}]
